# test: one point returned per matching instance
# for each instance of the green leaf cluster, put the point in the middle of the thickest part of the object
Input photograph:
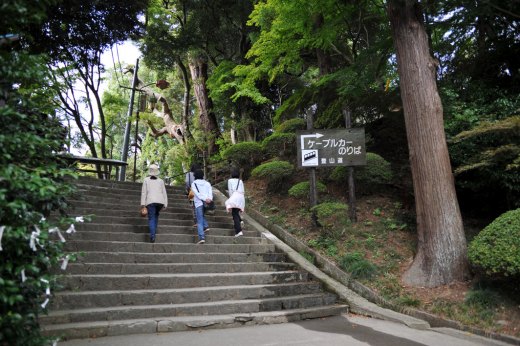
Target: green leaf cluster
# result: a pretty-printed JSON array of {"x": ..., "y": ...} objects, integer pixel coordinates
[
  {"x": 275, "y": 173},
  {"x": 280, "y": 145},
  {"x": 302, "y": 189},
  {"x": 332, "y": 214},
  {"x": 486, "y": 159},
  {"x": 358, "y": 267},
  {"x": 244, "y": 155},
  {"x": 495, "y": 251},
  {"x": 33, "y": 184},
  {"x": 291, "y": 125}
]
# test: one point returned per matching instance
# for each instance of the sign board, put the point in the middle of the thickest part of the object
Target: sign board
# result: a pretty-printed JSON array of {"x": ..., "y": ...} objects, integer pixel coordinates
[{"x": 326, "y": 148}]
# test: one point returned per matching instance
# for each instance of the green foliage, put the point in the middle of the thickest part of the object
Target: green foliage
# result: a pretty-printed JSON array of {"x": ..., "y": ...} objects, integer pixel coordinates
[
  {"x": 32, "y": 185},
  {"x": 359, "y": 268},
  {"x": 332, "y": 214},
  {"x": 495, "y": 251},
  {"x": 483, "y": 298},
  {"x": 276, "y": 173},
  {"x": 302, "y": 189},
  {"x": 291, "y": 125},
  {"x": 244, "y": 155},
  {"x": 377, "y": 172},
  {"x": 280, "y": 145},
  {"x": 486, "y": 160}
]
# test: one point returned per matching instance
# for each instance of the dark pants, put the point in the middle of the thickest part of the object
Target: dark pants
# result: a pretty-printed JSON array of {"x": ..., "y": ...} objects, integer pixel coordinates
[
  {"x": 153, "y": 217},
  {"x": 235, "y": 212}
]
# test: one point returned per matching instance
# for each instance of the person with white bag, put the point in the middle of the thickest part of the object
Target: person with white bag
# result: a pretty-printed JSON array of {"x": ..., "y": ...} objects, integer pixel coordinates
[{"x": 236, "y": 202}]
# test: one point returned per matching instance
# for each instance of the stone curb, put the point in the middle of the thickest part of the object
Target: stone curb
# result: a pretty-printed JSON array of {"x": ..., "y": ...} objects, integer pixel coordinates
[{"x": 361, "y": 299}]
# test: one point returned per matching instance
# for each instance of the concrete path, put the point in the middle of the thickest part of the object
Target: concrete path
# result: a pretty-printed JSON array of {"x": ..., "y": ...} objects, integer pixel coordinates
[{"x": 351, "y": 330}]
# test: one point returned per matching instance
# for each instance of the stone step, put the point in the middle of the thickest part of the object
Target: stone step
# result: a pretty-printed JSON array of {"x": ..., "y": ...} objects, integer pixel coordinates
[
  {"x": 172, "y": 212},
  {"x": 96, "y": 329},
  {"x": 161, "y": 229},
  {"x": 84, "y": 245},
  {"x": 127, "y": 201},
  {"x": 162, "y": 268},
  {"x": 132, "y": 206},
  {"x": 181, "y": 227},
  {"x": 102, "y": 299},
  {"x": 123, "y": 284},
  {"x": 186, "y": 219},
  {"x": 215, "y": 236},
  {"x": 179, "y": 257},
  {"x": 112, "y": 185},
  {"x": 161, "y": 281},
  {"x": 188, "y": 309}
]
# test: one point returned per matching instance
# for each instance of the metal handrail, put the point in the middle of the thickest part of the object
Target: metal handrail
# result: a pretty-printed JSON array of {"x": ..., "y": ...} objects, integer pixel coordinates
[{"x": 107, "y": 164}]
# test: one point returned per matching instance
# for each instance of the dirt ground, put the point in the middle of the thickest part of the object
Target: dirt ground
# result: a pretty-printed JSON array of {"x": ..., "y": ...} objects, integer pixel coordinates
[{"x": 443, "y": 300}]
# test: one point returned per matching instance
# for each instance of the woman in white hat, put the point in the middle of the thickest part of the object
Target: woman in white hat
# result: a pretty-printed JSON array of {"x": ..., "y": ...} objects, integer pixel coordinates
[{"x": 153, "y": 196}]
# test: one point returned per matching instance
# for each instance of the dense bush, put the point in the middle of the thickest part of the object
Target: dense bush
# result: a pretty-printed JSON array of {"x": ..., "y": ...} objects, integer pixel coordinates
[
  {"x": 32, "y": 185},
  {"x": 275, "y": 173},
  {"x": 332, "y": 214},
  {"x": 244, "y": 155},
  {"x": 280, "y": 145},
  {"x": 377, "y": 172},
  {"x": 495, "y": 251},
  {"x": 302, "y": 189},
  {"x": 291, "y": 125},
  {"x": 32, "y": 181}
]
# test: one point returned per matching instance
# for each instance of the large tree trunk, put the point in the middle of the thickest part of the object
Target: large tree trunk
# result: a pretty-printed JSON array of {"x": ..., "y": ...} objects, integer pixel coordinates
[
  {"x": 441, "y": 248},
  {"x": 208, "y": 120},
  {"x": 186, "y": 97}
]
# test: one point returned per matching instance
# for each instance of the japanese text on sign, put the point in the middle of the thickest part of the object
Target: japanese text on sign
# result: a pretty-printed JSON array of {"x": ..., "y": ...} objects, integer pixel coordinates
[{"x": 341, "y": 147}]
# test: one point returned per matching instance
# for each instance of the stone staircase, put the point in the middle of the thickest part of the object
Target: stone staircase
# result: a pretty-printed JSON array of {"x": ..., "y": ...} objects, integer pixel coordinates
[{"x": 123, "y": 284}]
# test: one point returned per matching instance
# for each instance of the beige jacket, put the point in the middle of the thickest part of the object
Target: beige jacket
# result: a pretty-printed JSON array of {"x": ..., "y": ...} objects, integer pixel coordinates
[{"x": 154, "y": 191}]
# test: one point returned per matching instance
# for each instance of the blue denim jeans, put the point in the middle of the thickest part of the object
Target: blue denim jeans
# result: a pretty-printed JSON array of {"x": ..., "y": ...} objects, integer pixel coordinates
[
  {"x": 153, "y": 217},
  {"x": 201, "y": 222}
]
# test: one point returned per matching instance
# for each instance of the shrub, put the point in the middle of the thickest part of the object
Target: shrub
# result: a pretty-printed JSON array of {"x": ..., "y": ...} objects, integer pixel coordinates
[
  {"x": 291, "y": 125},
  {"x": 302, "y": 189},
  {"x": 276, "y": 174},
  {"x": 32, "y": 185},
  {"x": 244, "y": 155},
  {"x": 495, "y": 251},
  {"x": 332, "y": 214},
  {"x": 377, "y": 172},
  {"x": 282, "y": 145},
  {"x": 359, "y": 268}
]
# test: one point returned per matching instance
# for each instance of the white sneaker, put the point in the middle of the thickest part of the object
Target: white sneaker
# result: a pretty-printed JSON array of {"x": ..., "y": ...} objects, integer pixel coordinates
[
  {"x": 239, "y": 234},
  {"x": 202, "y": 241}
]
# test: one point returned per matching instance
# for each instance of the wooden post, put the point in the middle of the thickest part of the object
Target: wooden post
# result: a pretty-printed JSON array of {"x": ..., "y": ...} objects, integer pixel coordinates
[
  {"x": 351, "y": 186},
  {"x": 313, "y": 193}
]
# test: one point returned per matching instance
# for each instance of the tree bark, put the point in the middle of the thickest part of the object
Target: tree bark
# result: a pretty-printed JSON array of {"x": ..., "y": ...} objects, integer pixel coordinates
[
  {"x": 186, "y": 97},
  {"x": 208, "y": 120},
  {"x": 441, "y": 248}
]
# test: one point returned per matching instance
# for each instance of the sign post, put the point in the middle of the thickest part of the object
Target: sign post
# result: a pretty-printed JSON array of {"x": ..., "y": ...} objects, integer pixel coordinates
[
  {"x": 338, "y": 147},
  {"x": 326, "y": 148}
]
